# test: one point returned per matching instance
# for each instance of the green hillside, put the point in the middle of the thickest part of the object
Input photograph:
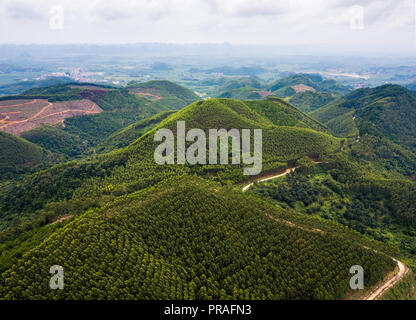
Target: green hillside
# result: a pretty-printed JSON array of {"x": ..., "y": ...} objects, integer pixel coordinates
[
  {"x": 242, "y": 88},
  {"x": 281, "y": 113},
  {"x": 385, "y": 119},
  {"x": 330, "y": 111},
  {"x": 121, "y": 107},
  {"x": 242, "y": 93},
  {"x": 129, "y": 134},
  {"x": 16, "y": 88},
  {"x": 134, "y": 168},
  {"x": 283, "y": 87},
  {"x": 281, "y": 143},
  {"x": 241, "y": 82},
  {"x": 352, "y": 195},
  {"x": 56, "y": 140},
  {"x": 16, "y": 154},
  {"x": 197, "y": 240},
  {"x": 343, "y": 125},
  {"x": 139, "y": 230},
  {"x": 173, "y": 95},
  {"x": 308, "y": 101},
  {"x": 388, "y": 111}
]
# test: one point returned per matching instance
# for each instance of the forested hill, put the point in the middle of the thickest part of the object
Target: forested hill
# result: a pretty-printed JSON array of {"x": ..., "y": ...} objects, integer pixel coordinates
[
  {"x": 282, "y": 142},
  {"x": 308, "y": 91},
  {"x": 196, "y": 240},
  {"x": 133, "y": 167},
  {"x": 174, "y": 94},
  {"x": 282, "y": 113},
  {"x": 134, "y": 229},
  {"x": 308, "y": 101},
  {"x": 308, "y": 82},
  {"x": 84, "y": 114},
  {"x": 388, "y": 111},
  {"x": 381, "y": 120},
  {"x": 129, "y": 134},
  {"x": 17, "y": 154}
]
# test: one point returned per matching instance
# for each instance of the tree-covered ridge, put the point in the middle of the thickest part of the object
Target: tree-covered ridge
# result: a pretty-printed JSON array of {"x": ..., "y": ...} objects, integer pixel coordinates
[
  {"x": 280, "y": 143},
  {"x": 56, "y": 140},
  {"x": 196, "y": 240},
  {"x": 308, "y": 101},
  {"x": 282, "y": 113},
  {"x": 241, "y": 82},
  {"x": 386, "y": 111},
  {"x": 17, "y": 153},
  {"x": 283, "y": 87},
  {"x": 138, "y": 210},
  {"x": 129, "y": 134},
  {"x": 382, "y": 122},
  {"x": 306, "y": 91},
  {"x": 241, "y": 88},
  {"x": 16, "y": 88},
  {"x": 242, "y": 93},
  {"x": 345, "y": 192},
  {"x": 93, "y": 181},
  {"x": 120, "y": 106},
  {"x": 175, "y": 96}
]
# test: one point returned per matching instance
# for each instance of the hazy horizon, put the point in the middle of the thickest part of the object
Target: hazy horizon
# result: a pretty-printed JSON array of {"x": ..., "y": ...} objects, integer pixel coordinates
[{"x": 337, "y": 26}]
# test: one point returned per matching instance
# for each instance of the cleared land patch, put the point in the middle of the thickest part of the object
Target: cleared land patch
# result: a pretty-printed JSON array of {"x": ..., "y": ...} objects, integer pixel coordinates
[
  {"x": 264, "y": 94},
  {"x": 302, "y": 88},
  {"x": 17, "y": 116},
  {"x": 151, "y": 93}
]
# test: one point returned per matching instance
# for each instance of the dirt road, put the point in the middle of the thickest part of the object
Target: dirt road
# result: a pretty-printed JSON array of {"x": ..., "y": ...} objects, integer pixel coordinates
[
  {"x": 378, "y": 292},
  {"x": 375, "y": 292}
]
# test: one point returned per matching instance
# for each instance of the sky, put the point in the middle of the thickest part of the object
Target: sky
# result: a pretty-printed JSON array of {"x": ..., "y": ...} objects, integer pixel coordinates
[{"x": 383, "y": 25}]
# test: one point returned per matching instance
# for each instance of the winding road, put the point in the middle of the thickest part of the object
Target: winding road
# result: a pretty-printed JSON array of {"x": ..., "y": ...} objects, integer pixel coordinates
[{"x": 374, "y": 293}]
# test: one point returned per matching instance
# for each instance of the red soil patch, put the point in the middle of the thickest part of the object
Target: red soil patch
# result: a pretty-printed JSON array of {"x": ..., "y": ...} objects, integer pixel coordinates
[
  {"x": 153, "y": 94},
  {"x": 264, "y": 94},
  {"x": 150, "y": 95},
  {"x": 302, "y": 88},
  {"x": 62, "y": 218},
  {"x": 23, "y": 115}
]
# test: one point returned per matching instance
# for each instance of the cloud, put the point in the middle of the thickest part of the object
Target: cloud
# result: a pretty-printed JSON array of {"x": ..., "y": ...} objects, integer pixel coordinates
[
  {"x": 274, "y": 22},
  {"x": 248, "y": 8},
  {"x": 22, "y": 11},
  {"x": 130, "y": 9}
]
